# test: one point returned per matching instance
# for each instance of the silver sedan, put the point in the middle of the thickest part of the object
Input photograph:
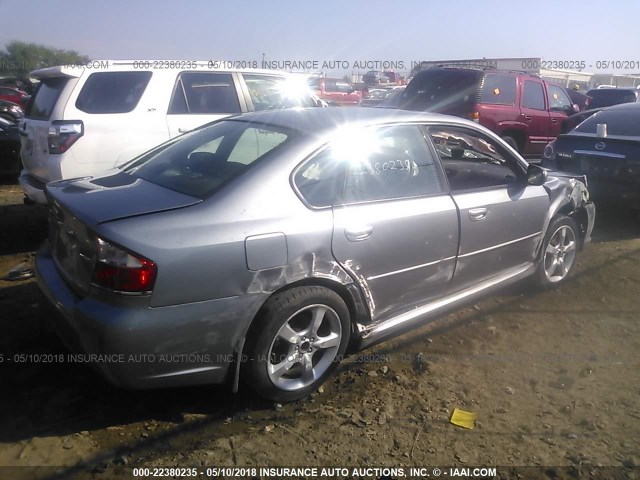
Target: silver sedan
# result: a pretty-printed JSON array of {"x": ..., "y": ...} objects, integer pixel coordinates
[{"x": 264, "y": 247}]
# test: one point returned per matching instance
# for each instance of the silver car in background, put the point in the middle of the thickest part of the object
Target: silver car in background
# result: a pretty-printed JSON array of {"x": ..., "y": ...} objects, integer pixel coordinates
[{"x": 262, "y": 247}]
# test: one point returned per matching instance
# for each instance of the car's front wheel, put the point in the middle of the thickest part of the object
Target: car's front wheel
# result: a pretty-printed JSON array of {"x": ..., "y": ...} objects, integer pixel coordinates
[
  {"x": 558, "y": 253},
  {"x": 298, "y": 340}
]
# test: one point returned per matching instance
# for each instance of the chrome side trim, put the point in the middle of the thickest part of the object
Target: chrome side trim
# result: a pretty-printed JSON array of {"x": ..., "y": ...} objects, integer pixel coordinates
[
  {"x": 593, "y": 153},
  {"x": 382, "y": 275},
  {"x": 372, "y": 333},
  {"x": 499, "y": 246},
  {"x": 185, "y": 372}
]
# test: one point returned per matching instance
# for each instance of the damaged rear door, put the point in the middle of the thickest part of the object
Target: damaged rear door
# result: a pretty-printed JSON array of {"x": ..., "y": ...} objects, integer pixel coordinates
[{"x": 396, "y": 230}]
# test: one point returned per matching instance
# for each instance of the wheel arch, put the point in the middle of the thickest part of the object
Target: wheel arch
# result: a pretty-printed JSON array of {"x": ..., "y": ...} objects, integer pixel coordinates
[{"x": 349, "y": 293}]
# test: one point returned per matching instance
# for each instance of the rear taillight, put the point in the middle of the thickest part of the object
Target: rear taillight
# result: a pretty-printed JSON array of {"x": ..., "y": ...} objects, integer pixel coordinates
[
  {"x": 475, "y": 116},
  {"x": 122, "y": 271},
  {"x": 63, "y": 134}
]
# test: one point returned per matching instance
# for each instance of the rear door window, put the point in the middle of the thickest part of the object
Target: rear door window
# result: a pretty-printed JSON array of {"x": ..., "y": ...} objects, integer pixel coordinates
[
  {"x": 112, "y": 92},
  {"x": 198, "y": 92},
  {"x": 45, "y": 97},
  {"x": 369, "y": 164},
  {"x": 533, "y": 95},
  {"x": 499, "y": 89}
]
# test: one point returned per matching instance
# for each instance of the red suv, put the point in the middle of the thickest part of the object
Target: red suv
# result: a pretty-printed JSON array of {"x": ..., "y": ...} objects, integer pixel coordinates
[
  {"x": 523, "y": 109},
  {"x": 12, "y": 95},
  {"x": 335, "y": 91}
]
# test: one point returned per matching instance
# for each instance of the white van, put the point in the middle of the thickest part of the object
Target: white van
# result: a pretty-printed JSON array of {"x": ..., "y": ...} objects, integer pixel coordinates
[{"x": 83, "y": 120}]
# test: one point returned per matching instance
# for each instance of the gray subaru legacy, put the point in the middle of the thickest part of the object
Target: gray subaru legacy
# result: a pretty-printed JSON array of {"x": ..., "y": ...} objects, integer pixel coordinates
[{"x": 264, "y": 247}]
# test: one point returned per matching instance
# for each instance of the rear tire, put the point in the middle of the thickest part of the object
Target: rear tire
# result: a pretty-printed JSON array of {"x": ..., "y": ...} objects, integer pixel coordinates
[
  {"x": 296, "y": 343},
  {"x": 558, "y": 253}
]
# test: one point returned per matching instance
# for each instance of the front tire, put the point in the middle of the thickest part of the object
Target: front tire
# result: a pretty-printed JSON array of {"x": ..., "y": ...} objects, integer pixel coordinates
[
  {"x": 558, "y": 252},
  {"x": 297, "y": 341}
]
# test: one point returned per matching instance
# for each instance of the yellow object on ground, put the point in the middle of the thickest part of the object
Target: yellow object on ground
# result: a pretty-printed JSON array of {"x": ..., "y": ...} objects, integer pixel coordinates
[{"x": 463, "y": 419}]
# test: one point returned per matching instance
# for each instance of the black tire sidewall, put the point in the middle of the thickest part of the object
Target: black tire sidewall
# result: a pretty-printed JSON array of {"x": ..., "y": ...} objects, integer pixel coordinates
[
  {"x": 511, "y": 142},
  {"x": 540, "y": 277},
  {"x": 275, "y": 312}
]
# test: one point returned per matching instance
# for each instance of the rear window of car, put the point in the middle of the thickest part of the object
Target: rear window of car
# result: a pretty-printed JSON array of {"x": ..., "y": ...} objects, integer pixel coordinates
[
  {"x": 45, "y": 97},
  {"x": 498, "y": 89},
  {"x": 623, "y": 122},
  {"x": 112, "y": 92},
  {"x": 441, "y": 89},
  {"x": 203, "y": 161}
]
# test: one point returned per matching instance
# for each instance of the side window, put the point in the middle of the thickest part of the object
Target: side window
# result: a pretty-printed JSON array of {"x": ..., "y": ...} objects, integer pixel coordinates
[
  {"x": 205, "y": 93},
  {"x": 330, "y": 86},
  {"x": 533, "y": 95},
  {"x": 498, "y": 89},
  {"x": 320, "y": 180},
  {"x": 472, "y": 161},
  {"x": 269, "y": 92},
  {"x": 265, "y": 91},
  {"x": 369, "y": 164},
  {"x": 344, "y": 87},
  {"x": 558, "y": 99},
  {"x": 112, "y": 92}
]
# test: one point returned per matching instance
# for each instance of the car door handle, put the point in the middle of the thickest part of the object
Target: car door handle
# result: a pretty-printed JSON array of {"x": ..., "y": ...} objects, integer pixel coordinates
[
  {"x": 476, "y": 214},
  {"x": 183, "y": 130},
  {"x": 553, "y": 120},
  {"x": 357, "y": 234},
  {"x": 527, "y": 117}
]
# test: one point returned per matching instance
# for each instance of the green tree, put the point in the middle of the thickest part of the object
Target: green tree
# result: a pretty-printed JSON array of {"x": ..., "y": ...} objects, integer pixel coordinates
[{"x": 20, "y": 58}]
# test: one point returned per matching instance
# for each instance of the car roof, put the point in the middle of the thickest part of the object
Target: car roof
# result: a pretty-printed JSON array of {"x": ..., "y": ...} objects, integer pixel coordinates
[
  {"x": 624, "y": 106},
  {"x": 318, "y": 121}
]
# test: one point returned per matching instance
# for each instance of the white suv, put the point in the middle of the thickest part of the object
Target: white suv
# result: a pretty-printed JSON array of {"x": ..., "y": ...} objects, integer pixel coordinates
[{"x": 82, "y": 121}]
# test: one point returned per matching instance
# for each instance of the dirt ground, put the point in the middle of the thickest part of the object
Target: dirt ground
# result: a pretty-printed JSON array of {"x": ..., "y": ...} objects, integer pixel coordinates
[{"x": 554, "y": 378}]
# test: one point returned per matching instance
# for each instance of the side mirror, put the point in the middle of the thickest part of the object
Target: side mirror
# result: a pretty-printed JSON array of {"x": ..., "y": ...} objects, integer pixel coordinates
[
  {"x": 536, "y": 175},
  {"x": 574, "y": 109}
]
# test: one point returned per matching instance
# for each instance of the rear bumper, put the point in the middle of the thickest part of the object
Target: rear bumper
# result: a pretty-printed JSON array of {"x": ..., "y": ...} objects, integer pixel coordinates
[
  {"x": 32, "y": 187},
  {"x": 137, "y": 346}
]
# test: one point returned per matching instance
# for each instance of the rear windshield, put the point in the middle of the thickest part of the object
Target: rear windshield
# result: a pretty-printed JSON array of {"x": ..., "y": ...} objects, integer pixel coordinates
[
  {"x": 620, "y": 122},
  {"x": 605, "y": 97},
  {"x": 45, "y": 97},
  {"x": 201, "y": 162},
  {"x": 441, "y": 90},
  {"x": 112, "y": 92}
]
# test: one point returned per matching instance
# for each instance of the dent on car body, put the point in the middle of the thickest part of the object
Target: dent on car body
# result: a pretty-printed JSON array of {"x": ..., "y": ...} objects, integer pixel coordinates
[{"x": 569, "y": 193}]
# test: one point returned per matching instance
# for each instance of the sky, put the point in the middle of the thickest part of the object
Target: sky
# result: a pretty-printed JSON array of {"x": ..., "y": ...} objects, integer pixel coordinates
[{"x": 329, "y": 30}]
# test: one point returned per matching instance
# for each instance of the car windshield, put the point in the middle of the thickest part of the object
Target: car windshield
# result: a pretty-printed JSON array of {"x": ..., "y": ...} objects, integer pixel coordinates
[
  {"x": 623, "y": 122},
  {"x": 201, "y": 162}
]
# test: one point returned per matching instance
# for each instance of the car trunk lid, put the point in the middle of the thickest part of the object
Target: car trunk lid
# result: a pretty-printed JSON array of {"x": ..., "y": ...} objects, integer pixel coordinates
[
  {"x": 77, "y": 207},
  {"x": 611, "y": 158}
]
